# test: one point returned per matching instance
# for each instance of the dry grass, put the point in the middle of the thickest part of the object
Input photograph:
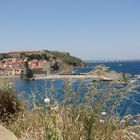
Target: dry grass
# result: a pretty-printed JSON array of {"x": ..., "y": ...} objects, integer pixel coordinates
[
  {"x": 68, "y": 124},
  {"x": 83, "y": 121},
  {"x": 61, "y": 124}
]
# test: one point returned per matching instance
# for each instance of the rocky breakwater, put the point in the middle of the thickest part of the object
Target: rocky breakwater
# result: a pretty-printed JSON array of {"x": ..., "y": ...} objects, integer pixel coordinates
[{"x": 105, "y": 73}]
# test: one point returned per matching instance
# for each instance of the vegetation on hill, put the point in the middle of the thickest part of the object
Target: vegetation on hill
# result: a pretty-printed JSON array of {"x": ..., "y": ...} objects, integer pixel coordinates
[
  {"x": 2, "y": 56},
  {"x": 35, "y": 56},
  {"x": 67, "y": 58}
]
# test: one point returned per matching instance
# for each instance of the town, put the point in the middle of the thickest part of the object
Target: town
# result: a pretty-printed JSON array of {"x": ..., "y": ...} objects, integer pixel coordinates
[
  {"x": 12, "y": 63},
  {"x": 39, "y": 62}
]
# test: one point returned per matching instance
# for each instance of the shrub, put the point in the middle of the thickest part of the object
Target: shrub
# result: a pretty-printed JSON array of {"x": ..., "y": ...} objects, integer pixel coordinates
[{"x": 10, "y": 105}]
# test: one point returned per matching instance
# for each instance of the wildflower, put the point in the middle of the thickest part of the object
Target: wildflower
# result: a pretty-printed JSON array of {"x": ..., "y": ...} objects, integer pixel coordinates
[
  {"x": 101, "y": 121},
  {"x": 103, "y": 113},
  {"x": 47, "y": 100}
]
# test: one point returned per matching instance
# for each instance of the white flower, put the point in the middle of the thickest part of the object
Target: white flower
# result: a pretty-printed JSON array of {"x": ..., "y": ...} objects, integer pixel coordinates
[
  {"x": 102, "y": 121},
  {"x": 103, "y": 113},
  {"x": 47, "y": 100}
]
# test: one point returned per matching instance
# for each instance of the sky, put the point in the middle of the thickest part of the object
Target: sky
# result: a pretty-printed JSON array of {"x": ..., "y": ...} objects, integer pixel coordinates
[{"x": 89, "y": 29}]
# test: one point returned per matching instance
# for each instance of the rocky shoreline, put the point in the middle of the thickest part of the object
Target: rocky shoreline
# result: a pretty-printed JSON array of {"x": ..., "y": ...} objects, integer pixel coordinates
[{"x": 99, "y": 72}]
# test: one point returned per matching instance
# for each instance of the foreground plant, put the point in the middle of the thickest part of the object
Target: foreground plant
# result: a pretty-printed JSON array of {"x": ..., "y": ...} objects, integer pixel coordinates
[
  {"x": 91, "y": 117},
  {"x": 62, "y": 123},
  {"x": 10, "y": 105}
]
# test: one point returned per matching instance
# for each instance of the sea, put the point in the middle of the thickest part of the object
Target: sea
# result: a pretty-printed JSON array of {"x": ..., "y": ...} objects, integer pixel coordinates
[{"x": 55, "y": 89}]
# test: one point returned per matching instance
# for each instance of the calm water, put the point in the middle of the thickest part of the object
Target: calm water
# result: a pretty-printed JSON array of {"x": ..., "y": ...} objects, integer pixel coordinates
[{"x": 46, "y": 87}]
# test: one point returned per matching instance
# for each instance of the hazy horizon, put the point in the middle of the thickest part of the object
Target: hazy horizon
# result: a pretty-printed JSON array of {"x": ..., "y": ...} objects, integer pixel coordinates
[{"x": 91, "y": 30}]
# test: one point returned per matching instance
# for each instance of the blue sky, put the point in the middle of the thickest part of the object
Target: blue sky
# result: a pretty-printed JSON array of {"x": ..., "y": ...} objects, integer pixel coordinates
[{"x": 89, "y": 29}]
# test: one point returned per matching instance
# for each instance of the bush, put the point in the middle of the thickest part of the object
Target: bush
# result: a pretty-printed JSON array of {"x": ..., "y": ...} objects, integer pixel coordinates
[{"x": 10, "y": 105}]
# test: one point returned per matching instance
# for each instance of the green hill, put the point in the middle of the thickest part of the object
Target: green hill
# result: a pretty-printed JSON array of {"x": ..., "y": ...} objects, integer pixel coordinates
[{"x": 66, "y": 58}]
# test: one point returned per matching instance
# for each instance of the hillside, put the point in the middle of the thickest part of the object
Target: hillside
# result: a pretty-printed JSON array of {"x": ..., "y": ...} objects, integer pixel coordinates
[
  {"x": 45, "y": 54},
  {"x": 68, "y": 59},
  {"x": 39, "y": 62}
]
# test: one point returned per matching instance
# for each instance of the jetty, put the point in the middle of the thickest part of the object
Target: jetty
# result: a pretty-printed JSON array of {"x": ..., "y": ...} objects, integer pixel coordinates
[{"x": 99, "y": 72}]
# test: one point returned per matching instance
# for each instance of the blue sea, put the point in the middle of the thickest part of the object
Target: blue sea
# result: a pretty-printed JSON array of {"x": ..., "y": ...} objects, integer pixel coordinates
[
  {"x": 55, "y": 89},
  {"x": 128, "y": 67}
]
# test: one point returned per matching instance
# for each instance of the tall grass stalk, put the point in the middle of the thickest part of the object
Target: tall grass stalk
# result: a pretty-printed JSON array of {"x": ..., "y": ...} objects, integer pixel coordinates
[{"x": 92, "y": 117}]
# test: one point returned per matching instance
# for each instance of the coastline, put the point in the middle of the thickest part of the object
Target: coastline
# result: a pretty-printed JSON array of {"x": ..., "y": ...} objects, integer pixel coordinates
[
  {"x": 66, "y": 76},
  {"x": 57, "y": 76}
]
